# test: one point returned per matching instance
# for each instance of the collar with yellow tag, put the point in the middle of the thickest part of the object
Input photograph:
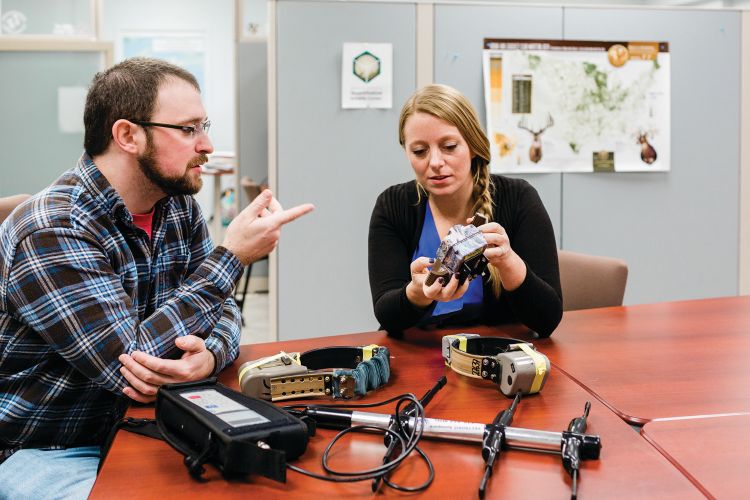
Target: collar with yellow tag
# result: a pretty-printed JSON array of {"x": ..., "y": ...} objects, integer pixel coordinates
[{"x": 514, "y": 365}]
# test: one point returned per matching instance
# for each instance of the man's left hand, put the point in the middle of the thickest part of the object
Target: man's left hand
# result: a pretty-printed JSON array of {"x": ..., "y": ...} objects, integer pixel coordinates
[{"x": 145, "y": 373}]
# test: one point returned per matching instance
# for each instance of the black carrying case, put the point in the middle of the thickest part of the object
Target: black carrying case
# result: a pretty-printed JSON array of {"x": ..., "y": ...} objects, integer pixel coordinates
[{"x": 259, "y": 448}]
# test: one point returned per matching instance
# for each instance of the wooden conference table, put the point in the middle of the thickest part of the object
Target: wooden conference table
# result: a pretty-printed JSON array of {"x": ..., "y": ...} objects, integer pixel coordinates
[
  {"x": 672, "y": 359},
  {"x": 712, "y": 451},
  {"x": 680, "y": 368},
  {"x": 629, "y": 467}
]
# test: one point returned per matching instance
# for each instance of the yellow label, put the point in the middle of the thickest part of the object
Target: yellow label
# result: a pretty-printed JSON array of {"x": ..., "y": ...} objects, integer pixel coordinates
[
  {"x": 540, "y": 366},
  {"x": 461, "y": 345},
  {"x": 461, "y": 341},
  {"x": 367, "y": 351}
]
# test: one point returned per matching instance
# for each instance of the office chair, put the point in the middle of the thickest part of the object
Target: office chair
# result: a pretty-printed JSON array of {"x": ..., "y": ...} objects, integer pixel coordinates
[
  {"x": 8, "y": 203},
  {"x": 590, "y": 281}
]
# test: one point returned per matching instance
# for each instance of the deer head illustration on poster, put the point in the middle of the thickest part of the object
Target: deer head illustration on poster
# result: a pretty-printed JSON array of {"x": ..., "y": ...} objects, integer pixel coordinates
[{"x": 535, "y": 151}]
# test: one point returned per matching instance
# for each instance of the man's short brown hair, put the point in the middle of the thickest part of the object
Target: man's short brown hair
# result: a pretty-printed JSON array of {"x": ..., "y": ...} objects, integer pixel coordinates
[{"x": 127, "y": 90}]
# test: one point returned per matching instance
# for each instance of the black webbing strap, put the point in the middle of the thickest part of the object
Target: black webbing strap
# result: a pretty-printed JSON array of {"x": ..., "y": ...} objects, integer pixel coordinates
[{"x": 143, "y": 426}]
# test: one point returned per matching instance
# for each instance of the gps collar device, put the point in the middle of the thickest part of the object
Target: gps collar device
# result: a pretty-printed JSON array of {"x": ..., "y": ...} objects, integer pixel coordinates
[
  {"x": 339, "y": 372},
  {"x": 514, "y": 365}
]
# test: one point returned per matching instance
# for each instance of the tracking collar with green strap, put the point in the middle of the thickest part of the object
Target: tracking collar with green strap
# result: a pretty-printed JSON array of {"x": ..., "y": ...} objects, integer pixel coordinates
[
  {"x": 514, "y": 365},
  {"x": 341, "y": 372}
]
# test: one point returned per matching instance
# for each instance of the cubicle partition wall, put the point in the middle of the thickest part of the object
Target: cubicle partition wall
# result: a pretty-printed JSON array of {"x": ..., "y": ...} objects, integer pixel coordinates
[
  {"x": 253, "y": 121},
  {"x": 677, "y": 230},
  {"x": 340, "y": 160},
  {"x": 41, "y": 133},
  {"x": 48, "y": 54},
  {"x": 252, "y": 117},
  {"x": 460, "y": 31}
]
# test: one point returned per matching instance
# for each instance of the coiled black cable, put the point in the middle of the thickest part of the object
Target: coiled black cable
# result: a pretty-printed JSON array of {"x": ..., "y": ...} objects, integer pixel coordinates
[{"x": 407, "y": 439}]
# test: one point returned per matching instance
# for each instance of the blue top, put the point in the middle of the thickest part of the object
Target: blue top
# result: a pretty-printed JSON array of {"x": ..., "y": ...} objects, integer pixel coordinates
[{"x": 467, "y": 306}]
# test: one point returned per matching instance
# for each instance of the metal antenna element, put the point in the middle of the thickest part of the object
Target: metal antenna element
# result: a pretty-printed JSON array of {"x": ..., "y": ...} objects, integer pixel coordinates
[{"x": 494, "y": 440}]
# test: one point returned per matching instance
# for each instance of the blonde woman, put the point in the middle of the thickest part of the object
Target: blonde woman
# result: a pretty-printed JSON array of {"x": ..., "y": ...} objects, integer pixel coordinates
[{"x": 450, "y": 153}]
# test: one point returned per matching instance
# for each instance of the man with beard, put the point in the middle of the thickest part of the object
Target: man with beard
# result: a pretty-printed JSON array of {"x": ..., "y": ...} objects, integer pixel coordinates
[{"x": 109, "y": 283}]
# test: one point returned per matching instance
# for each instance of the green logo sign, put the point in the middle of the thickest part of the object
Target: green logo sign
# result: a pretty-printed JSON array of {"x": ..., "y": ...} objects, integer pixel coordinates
[{"x": 366, "y": 66}]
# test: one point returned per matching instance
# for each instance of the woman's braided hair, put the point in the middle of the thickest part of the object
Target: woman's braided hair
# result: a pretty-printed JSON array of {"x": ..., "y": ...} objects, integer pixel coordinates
[{"x": 447, "y": 103}]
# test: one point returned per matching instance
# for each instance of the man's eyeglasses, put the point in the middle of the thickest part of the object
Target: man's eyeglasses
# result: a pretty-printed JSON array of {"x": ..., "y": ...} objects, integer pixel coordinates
[{"x": 188, "y": 129}]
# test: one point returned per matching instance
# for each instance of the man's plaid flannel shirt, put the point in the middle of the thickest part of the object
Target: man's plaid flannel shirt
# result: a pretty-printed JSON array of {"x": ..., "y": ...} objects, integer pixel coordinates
[{"x": 80, "y": 285}]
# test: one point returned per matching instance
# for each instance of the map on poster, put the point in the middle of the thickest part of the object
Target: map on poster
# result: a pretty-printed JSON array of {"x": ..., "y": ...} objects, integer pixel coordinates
[{"x": 577, "y": 106}]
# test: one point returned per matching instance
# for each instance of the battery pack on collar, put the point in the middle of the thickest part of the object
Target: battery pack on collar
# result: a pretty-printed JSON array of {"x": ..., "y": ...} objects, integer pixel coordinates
[
  {"x": 514, "y": 365},
  {"x": 340, "y": 372},
  {"x": 210, "y": 423}
]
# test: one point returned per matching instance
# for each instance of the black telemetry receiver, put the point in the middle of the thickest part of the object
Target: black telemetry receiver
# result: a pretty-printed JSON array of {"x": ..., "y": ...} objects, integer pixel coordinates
[{"x": 210, "y": 423}]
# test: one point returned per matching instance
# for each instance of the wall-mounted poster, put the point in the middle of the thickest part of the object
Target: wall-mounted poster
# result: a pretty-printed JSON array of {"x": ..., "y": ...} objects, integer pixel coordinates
[
  {"x": 185, "y": 49},
  {"x": 577, "y": 106},
  {"x": 367, "y": 75}
]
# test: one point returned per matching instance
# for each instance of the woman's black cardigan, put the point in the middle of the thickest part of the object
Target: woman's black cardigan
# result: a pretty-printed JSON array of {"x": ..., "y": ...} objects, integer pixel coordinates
[{"x": 395, "y": 229}]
